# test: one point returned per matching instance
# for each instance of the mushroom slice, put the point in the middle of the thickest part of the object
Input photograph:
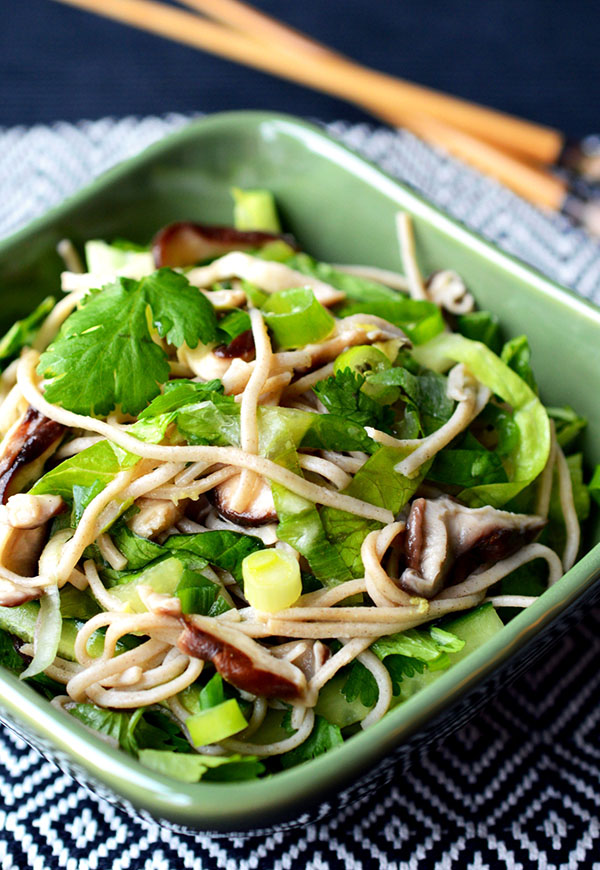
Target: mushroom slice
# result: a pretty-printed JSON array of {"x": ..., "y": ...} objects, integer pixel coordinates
[
  {"x": 11, "y": 594},
  {"x": 260, "y": 509},
  {"x": 155, "y": 515},
  {"x": 240, "y": 660},
  {"x": 27, "y": 511},
  {"x": 26, "y": 448},
  {"x": 20, "y": 549},
  {"x": 308, "y": 655},
  {"x": 444, "y": 537},
  {"x": 186, "y": 243},
  {"x": 241, "y": 347}
]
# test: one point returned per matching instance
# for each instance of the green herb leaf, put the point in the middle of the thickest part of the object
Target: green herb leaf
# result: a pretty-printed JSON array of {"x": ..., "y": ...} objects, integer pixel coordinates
[
  {"x": 104, "y": 355},
  {"x": 342, "y": 396},
  {"x": 322, "y": 738},
  {"x": 221, "y": 548},
  {"x": 24, "y": 331},
  {"x": 360, "y": 683},
  {"x": 400, "y": 666}
]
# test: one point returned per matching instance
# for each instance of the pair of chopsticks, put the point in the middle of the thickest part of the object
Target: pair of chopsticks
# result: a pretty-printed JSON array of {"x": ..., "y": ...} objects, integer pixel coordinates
[{"x": 517, "y": 152}]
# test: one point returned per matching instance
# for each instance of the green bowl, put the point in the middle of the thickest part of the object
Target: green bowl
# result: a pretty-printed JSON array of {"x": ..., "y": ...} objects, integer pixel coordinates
[{"x": 341, "y": 208}]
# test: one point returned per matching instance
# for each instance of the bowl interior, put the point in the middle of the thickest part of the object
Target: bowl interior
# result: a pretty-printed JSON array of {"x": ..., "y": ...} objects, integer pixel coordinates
[{"x": 342, "y": 210}]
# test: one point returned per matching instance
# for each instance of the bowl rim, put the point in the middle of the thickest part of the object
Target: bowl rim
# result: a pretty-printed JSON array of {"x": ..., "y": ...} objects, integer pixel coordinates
[{"x": 253, "y": 802}]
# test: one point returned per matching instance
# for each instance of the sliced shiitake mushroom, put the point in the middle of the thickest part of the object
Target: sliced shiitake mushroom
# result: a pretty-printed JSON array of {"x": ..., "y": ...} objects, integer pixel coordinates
[
  {"x": 185, "y": 243},
  {"x": 26, "y": 448},
  {"x": 240, "y": 660},
  {"x": 447, "y": 539},
  {"x": 259, "y": 511}
]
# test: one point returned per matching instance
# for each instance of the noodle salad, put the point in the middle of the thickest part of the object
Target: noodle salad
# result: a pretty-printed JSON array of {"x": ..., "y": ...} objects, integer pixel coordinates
[{"x": 251, "y": 501}]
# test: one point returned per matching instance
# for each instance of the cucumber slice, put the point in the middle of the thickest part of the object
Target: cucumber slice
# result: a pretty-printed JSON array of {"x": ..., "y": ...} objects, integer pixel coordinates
[
  {"x": 106, "y": 259},
  {"x": 21, "y": 620},
  {"x": 474, "y": 628},
  {"x": 162, "y": 576},
  {"x": 334, "y": 707}
]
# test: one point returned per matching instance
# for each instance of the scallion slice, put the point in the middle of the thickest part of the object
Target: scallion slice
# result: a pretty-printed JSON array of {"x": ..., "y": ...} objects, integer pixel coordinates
[{"x": 296, "y": 318}]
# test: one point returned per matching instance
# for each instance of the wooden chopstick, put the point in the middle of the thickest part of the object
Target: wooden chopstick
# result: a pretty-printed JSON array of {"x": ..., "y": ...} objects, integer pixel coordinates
[
  {"x": 258, "y": 25},
  {"x": 345, "y": 78},
  {"x": 535, "y": 142},
  {"x": 325, "y": 73}
]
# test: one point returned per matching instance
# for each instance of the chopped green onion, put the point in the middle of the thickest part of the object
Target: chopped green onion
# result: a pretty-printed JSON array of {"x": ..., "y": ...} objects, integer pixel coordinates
[
  {"x": 216, "y": 723},
  {"x": 272, "y": 580},
  {"x": 234, "y": 324},
  {"x": 256, "y": 296},
  {"x": 296, "y": 318},
  {"x": 367, "y": 360},
  {"x": 255, "y": 210}
]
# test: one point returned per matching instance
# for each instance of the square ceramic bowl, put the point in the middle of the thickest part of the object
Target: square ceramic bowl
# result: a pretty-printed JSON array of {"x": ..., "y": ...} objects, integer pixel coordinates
[{"x": 341, "y": 209}]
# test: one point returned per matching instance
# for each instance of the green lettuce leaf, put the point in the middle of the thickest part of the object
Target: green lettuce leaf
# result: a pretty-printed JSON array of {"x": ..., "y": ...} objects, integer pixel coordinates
[
  {"x": 516, "y": 353},
  {"x": 98, "y": 464},
  {"x": 193, "y": 768},
  {"x": 378, "y": 483},
  {"x": 420, "y": 320},
  {"x": 481, "y": 326},
  {"x": 568, "y": 424},
  {"x": 530, "y": 453},
  {"x": 23, "y": 332},
  {"x": 467, "y": 468}
]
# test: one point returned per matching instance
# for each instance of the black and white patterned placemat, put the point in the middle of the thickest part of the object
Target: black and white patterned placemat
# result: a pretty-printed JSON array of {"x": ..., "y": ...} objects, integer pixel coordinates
[{"x": 519, "y": 787}]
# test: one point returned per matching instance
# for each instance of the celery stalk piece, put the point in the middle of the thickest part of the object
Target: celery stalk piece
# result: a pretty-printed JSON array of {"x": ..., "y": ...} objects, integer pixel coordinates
[
  {"x": 272, "y": 580},
  {"x": 255, "y": 210},
  {"x": 295, "y": 318},
  {"x": 216, "y": 723}
]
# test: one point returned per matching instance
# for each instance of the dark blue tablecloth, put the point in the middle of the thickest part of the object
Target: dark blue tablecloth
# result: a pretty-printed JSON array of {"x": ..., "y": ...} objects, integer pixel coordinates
[{"x": 537, "y": 58}]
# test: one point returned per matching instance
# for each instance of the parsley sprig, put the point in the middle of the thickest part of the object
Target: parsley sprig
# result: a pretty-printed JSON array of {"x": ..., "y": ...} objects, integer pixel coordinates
[{"x": 104, "y": 355}]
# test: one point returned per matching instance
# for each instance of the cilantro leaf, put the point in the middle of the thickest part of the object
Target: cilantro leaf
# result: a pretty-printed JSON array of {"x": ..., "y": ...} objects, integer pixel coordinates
[
  {"x": 322, "y": 738},
  {"x": 104, "y": 355},
  {"x": 181, "y": 392},
  {"x": 360, "y": 683},
  {"x": 400, "y": 666},
  {"x": 342, "y": 396}
]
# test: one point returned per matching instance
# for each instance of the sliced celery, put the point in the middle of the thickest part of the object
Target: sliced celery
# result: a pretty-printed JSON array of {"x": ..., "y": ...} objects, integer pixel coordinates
[
  {"x": 216, "y": 723},
  {"x": 272, "y": 580}
]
